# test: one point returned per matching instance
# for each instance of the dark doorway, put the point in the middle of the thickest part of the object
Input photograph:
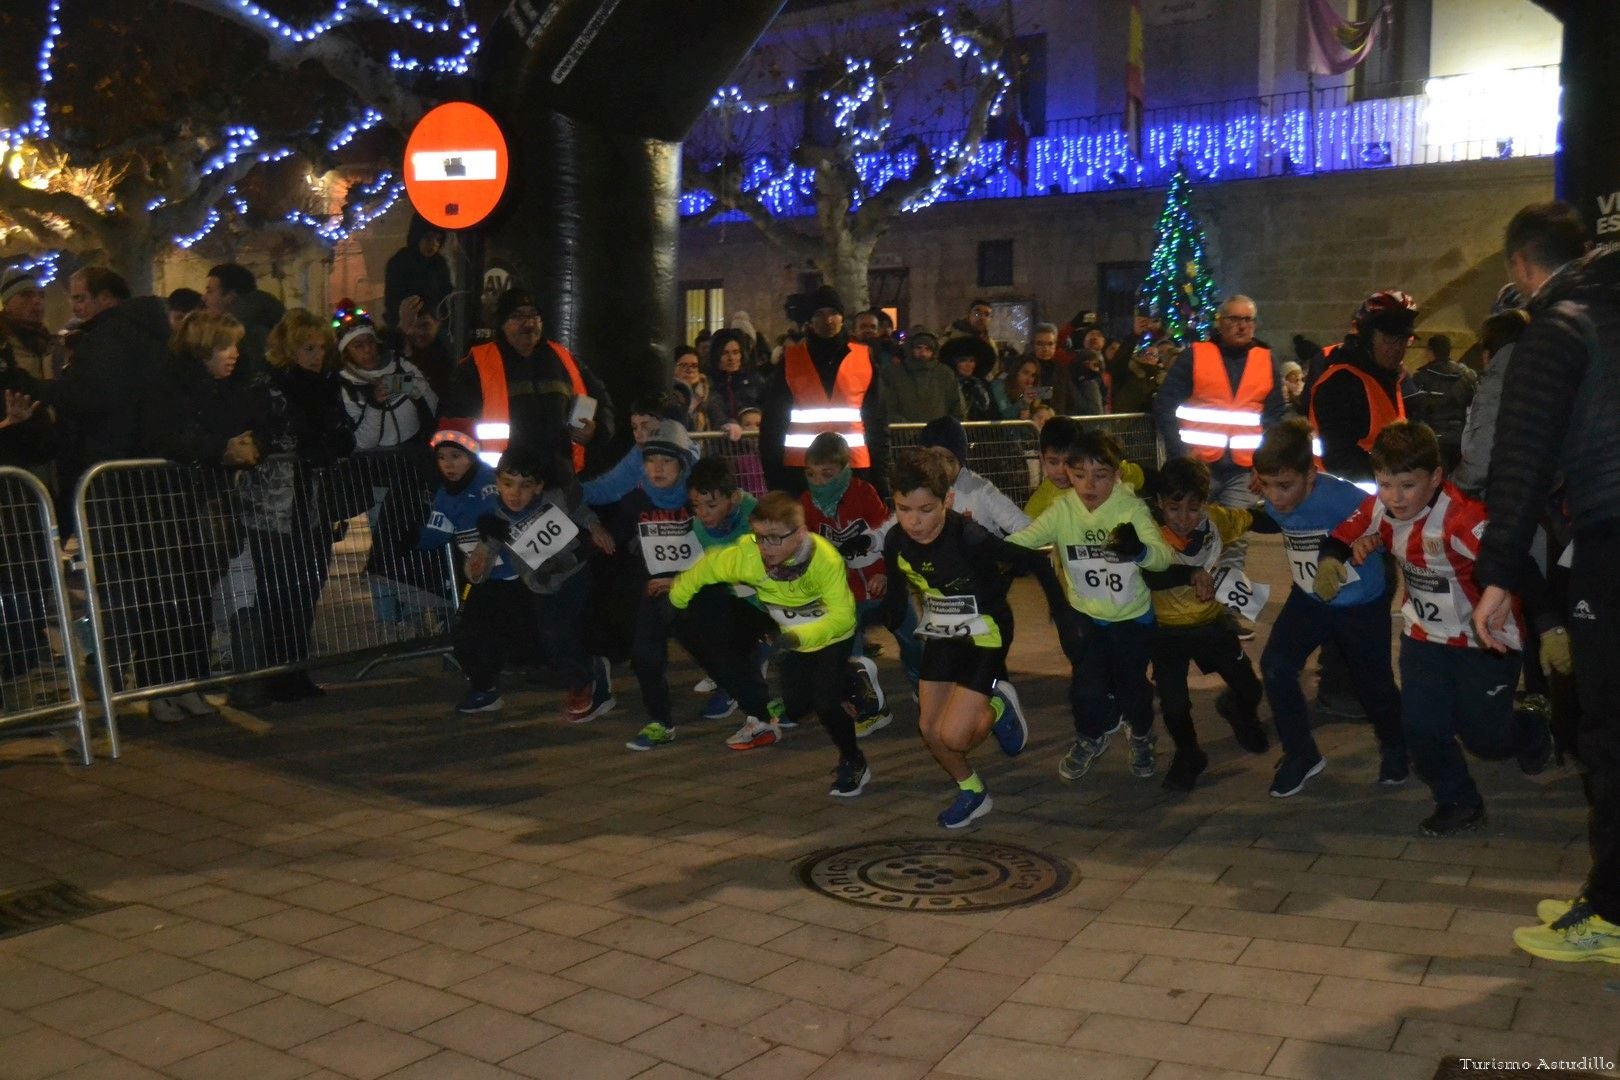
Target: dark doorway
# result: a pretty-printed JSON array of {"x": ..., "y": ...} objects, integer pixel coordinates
[{"x": 1117, "y": 283}]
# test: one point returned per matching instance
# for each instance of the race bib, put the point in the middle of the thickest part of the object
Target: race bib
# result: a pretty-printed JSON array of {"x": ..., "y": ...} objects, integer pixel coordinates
[
  {"x": 1234, "y": 589},
  {"x": 466, "y": 541},
  {"x": 668, "y": 547},
  {"x": 542, "y": 536},
  {"x": 951, "y": 617},
  {"x": 1304, "y": 549},
  {"x": 1095, "y": 578},
  {"x": 789, "y": 618},
  {"x": 1431, "y": 603}
]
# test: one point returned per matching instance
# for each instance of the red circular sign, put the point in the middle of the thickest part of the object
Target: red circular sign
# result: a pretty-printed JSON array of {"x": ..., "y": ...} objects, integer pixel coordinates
[{"x": 455, "y": 165}]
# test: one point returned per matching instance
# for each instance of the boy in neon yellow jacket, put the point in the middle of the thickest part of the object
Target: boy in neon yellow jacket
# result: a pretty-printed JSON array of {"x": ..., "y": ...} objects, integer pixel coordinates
[
  {"x": 800, "y": 580},
  {"x": 1104, "y": 536}
]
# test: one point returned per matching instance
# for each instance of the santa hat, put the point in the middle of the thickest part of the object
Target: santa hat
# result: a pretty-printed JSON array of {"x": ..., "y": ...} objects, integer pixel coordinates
[{"x": 457, "y": 432}]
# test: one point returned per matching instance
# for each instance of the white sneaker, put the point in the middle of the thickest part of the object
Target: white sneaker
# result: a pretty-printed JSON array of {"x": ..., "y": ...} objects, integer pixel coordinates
[
  {"x": 754, "y": 734},
  {"x": 705, "y": 685},
  {"x": 165, "y": 710},
  {"x": 192, "y": 704}
]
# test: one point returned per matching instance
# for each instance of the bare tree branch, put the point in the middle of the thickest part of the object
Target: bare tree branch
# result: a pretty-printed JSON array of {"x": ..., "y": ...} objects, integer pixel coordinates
[
  {"x": 59, "y": 204},
  {"x": 724, "y": 183}
]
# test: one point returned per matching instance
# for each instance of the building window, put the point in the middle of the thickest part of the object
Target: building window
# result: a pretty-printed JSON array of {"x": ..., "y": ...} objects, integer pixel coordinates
[
  {"x": 705, "y": 307},
  {"x": 1399, "y": 63},
  {"x": 995, "y": 263}
]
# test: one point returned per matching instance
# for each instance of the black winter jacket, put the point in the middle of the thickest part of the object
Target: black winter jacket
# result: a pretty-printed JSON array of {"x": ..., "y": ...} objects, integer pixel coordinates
[
  {"x": 103, "y": 394},
  {"x": 1560, "y": 413}
]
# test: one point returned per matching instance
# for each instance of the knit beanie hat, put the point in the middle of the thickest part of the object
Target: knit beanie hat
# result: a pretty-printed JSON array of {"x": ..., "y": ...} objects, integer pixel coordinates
[
  {"x": 350, "y": 322},
  {"x": 826, "y": 297},
  {"x": 510, "y": 301},
  {"x": 671, "y": 440},
  {"x": 947, "y": 433},
  {"x": 16, "y": 281}
]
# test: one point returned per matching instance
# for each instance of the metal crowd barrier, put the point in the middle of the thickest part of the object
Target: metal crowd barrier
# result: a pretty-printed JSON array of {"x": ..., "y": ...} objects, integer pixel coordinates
[
  {"x": 1005, "y": 452},
  {"x": 200, "y": 577},
  {"x": 40, "y": 686}
]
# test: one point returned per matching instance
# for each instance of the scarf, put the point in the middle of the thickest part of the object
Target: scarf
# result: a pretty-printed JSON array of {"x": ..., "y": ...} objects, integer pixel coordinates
[
  {"x": 827, "y": 496},
  {"x": 793, "y": 569},
  {"x": 672, "y": 497}
]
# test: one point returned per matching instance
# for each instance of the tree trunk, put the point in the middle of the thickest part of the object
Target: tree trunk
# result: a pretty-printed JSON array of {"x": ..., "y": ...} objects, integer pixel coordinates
[{"x": 845, "y": 268}]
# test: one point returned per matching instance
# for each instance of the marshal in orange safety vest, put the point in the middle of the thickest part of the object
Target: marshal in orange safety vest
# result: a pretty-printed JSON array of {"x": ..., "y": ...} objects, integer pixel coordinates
[
  {"x": 1216, "y": 419},
  {"x": 1381, "y": 412},
  {"x": 494, "y": 427},
  {"x": 815, "y": 410}
]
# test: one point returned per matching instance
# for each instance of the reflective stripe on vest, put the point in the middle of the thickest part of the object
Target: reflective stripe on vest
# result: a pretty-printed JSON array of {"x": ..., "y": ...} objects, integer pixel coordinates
[
  {"x": 815, "y": 411},
  {"x": 1381, "y": 412},
  {"x": 1216, "y": 420},
  {"x": 494, "y": 428}
]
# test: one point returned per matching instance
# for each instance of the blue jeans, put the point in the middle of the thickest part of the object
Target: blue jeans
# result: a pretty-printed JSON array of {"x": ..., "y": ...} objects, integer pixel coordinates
[
  {"x": 1448, "y": 693},
  {"x": 1361, "y": 631}
]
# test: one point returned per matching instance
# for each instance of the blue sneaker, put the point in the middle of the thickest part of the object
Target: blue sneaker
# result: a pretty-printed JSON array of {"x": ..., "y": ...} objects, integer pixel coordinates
[
  {"x": 479, "y": 701},
  {"x": 719, "y": 706},
  {"x": 652, "y": 737},
  {"x": 1012, "y": 730},
  {"x": 968, "y": 806}
]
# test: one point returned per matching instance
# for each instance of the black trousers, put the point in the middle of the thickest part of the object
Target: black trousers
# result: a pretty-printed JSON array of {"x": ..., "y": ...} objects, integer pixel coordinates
[
  {"x": 722, "y": 631},
  {"x": 500, "y": 620},
  {"x": 819, "y": 682},
  {"x": 1215, "y": 648},
  {"x": 1109, "y": 677},
  {"x": 1594, "y": 628}
]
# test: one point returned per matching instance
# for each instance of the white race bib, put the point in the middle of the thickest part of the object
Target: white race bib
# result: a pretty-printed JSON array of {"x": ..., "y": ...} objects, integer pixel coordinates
[
  {"x": 789, "y": 618},
  {"x": 542, "y": 536},
  {"x": 466, "y": 541},
  {"x": 1234, "y": 589},
  {"x": 1304, "y": 549},
  {"x": 1431, "y": 603},
  {"x": 951, "y": 617},
  {"x": 668, "y": 547},
  {"x": 1095, "y": 578}
]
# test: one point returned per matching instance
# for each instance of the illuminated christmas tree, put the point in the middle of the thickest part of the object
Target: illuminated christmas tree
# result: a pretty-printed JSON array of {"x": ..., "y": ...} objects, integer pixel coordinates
[{"x": 1179, "y": 288}]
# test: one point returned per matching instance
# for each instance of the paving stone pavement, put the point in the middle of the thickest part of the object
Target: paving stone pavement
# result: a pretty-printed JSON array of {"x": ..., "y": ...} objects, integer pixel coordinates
[{"x": 372, "y": 887}]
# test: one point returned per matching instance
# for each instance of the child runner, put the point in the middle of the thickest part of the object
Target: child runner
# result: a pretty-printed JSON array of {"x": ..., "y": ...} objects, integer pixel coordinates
[
  {"x": 1307, "y": 505},
  {"x": 655, "y": 532},
  {"x": 974, "y": 497},
  {"x": 529, "y": 564},
  {"x": 1194, "y": 625},
  {"x": 800, "y": 579},
  {"x": 954, "y": 567},
  {"x": 468, "y": 487},
  {"x": 851, "y": 516},
  {"x": 1451, "y": 686},
  {"x": 1105, "y": 537}
]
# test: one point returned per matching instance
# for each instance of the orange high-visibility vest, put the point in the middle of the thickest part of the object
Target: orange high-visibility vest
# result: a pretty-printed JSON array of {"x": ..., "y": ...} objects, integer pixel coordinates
[
  {"x": 815, "y": 410},
  {"x": 1381, "y": 412},
  {"x": 494, "y": 428},
  {"x": 1216, "y": 419}
]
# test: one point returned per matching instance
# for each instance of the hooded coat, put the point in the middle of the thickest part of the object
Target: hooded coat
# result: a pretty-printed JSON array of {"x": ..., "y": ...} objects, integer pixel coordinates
[{"x": 1560, "y": 414}]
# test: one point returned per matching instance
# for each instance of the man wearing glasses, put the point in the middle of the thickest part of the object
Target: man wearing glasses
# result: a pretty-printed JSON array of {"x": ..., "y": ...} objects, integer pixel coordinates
[
  {"x": 1217, "y": 400},
  {"x": 522, "y": 389}
]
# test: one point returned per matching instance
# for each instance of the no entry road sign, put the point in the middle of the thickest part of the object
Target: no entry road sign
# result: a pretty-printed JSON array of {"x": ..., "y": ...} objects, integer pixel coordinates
[{"x": 455, "y": 165}]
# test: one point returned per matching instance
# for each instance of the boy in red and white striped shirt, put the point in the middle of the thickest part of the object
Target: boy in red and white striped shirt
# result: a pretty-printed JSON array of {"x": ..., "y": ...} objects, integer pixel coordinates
[{"x": 1451, "y": 687}]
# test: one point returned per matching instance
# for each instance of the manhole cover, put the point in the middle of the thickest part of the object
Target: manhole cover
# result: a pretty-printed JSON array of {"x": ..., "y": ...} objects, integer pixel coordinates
[
  {"x": 936, "y": 875},
  {"x": 34, "y": 909}
]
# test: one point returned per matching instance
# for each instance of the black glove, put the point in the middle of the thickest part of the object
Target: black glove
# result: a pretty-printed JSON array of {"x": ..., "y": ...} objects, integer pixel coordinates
[
  {"x": 856, "y": 546},
  {"x": 494, "y": 527},
  {"x": 1123, "y": 543}
]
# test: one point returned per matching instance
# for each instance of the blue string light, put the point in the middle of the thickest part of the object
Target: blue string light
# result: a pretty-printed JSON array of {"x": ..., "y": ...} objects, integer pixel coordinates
[{"x": 43, "y": 266}]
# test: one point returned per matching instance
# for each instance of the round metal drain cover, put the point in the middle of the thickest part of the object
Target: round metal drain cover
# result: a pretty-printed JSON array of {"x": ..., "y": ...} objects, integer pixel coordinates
[{"x": 936, "y": 875}]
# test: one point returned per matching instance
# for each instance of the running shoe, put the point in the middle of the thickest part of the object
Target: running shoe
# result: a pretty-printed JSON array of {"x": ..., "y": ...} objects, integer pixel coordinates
[
  {"x": 754, "y": 734},
  {"x": 850, "y": 779},
  {"x": 966, "y": 808},
  {"x": 1011, "y": 730},
  {"x": 652, "y": 737}
]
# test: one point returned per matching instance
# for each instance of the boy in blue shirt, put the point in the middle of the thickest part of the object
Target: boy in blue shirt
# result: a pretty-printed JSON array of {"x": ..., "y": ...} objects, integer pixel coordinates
[
  {"x": 1308, "y": 505},
  {"x": 468, "y": 485},
  {"x": 529, "y": 564},
  {"x": 626, "y": 475}
]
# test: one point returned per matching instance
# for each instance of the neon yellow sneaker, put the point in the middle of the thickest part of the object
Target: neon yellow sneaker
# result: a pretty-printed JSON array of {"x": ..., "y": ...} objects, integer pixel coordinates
[
  {"x": 1550, "y": 911},
  {"x": 1581, "y": 934}
]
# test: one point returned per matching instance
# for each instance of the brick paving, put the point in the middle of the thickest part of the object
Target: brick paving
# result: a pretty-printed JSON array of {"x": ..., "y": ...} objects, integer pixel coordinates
[{"x": 372, "y": 887}]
